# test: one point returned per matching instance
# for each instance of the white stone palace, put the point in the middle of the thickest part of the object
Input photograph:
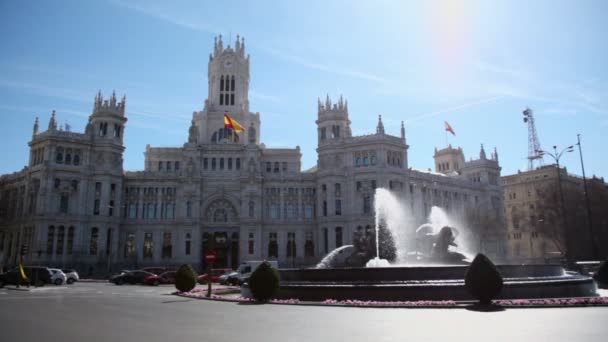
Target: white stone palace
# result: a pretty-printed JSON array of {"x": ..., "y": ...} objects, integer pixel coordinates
[{"x": 75, "y": 206}]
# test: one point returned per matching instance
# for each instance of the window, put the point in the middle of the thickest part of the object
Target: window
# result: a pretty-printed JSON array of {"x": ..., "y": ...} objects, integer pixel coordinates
[
  {"x": 221, "y": 163},
  {"x": 148, "y": 246},
  {"x": 291, "y": 245},
  {"x": 168, "y": 166},
  {"x": 268, "y": 166},
  {"x": 325, "y": 240},
  {"x": 189, "y": 209},
  {"x": 273, "y": 246},
  {"x": 205, "y": 163},
  {"x": 308, "y": 211},
  {"x": 59, "y": 155},
  {"x": 229, "y": 163},
  {"x": 309, "y": 245},
  {"x": 109, "y": 242},
  {"x": 284, "y": 166},
  {"x": 63, "y": 203},
  {"x": 276, "y": 167},
  {"x": 60, "y": 237},
  {"x": 324, "y": 208},
  {"x": 130, "y": 245},
  {"x": 367, "y": 204},
  {"x": 212, "y": 163},
  {"x": 338, "y": 207},
  {"x": 68, "y": 156},
  {"x": 188, "y": 243},
  {"x": 167, "y": 245},
  {"x": 93, "y": 241},
  {"x": 70, "y": 245},
  {"x": 338, "y": 237},
  {"x": 96, "y": 206},
  {"x": 251, "y": 244},
  {"x": 76, "y": 160},
  {"x": 160, "y": 166},
  {"x": 50, "y": 240},
  {"x": 111, "y": 208},
  {"x": 176, "y": 166},
  {"x": 116, "y": 131},
  {"x": 251, "y": 209}
]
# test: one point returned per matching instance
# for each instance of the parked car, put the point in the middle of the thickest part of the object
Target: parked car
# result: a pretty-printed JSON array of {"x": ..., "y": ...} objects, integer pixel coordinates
[
  {"x": 216, "y": 273},
  {"x": 130, "y": 277},
  {"x": 248, "y": 267},
  {"x": 58, "y": 277},
  {"x": 228, "y": 278},
  {"x": 37, "y": 275},
  {"x": 72, "y": 275},
  {"x": 157, "y": 269},
  {"x": 164, "y": 278}
]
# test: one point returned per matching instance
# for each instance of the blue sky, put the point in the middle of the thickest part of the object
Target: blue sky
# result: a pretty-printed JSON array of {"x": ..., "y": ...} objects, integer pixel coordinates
[{"x": 475, "y": 64}]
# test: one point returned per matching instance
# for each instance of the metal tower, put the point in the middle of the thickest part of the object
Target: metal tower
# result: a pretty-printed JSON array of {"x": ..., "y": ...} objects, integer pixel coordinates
[{"x": 533, "y": 143}]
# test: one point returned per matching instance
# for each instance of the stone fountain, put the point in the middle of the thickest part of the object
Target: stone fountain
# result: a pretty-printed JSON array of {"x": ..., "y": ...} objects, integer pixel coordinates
[{"x": 433, "y": 270}]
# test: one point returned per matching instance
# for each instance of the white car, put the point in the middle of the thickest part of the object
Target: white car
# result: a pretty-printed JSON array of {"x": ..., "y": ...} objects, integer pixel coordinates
[
  {"x": 57, "y": 276},
  {"x": 71, "y": 275}
]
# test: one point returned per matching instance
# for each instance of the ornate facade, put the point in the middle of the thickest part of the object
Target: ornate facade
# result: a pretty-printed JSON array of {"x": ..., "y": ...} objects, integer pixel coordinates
[{"x": 73, "y": 205}]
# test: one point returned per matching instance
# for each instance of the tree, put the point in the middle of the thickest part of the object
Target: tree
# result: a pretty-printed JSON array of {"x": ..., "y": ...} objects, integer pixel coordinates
[
  {"x": 185, "y": 278},
  {"x": 482, "y": 280},
  {"x": 264, "y": 282}
]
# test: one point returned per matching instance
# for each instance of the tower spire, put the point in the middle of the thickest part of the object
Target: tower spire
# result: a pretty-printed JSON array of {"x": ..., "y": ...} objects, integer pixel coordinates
[
  {"x": 35, "y": 128},
  {"x": 482, "y": 153},
  {"x": 380, "y": 127},
  {"x": 402, "y": 131},
  {"x": 52, "y": 122}
]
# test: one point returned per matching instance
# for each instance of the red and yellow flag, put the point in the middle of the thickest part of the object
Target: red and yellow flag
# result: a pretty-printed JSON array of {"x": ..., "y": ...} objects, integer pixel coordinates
[
  {"x": 231, "y": 123},
  {"x": 449, "y": 128}
]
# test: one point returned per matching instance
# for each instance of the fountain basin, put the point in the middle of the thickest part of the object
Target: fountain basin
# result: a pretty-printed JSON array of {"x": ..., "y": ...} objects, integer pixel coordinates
[{"x": 428, "y": 283}]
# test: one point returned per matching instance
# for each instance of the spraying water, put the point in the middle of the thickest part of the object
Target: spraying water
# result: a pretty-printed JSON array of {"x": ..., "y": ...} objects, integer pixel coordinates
[{"x": 330, "y": 258}]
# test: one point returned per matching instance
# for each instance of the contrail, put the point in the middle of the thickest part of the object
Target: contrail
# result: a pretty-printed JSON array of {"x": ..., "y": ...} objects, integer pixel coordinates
[{"x": 455, "y": 108}]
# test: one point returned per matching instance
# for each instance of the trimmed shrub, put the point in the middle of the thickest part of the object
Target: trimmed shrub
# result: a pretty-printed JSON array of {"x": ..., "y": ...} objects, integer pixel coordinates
[
  {"x": 264, "y": 282},
  {"x": 601, "y": 276},
  {"x": 185, "y": 278},
  {"x": 483, "y": 281}
]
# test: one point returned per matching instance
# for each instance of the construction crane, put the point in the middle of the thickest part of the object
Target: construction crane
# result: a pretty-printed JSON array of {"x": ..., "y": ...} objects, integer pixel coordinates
[{"x": 533, "y": 142}]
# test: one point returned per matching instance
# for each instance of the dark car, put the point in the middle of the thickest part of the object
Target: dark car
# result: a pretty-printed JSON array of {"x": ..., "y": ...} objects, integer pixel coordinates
[
  {"x": 37, "y": 275},
  {"x": 130, "y": 277},
  {"x": 164, "y": 278}
]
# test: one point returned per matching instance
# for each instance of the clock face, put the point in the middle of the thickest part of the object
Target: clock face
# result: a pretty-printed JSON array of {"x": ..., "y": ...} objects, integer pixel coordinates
[{"x": 228, "y": 64}]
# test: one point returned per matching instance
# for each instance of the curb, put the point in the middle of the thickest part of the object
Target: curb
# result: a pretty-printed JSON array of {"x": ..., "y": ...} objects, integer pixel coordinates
[{"x": 457, "y": 305}]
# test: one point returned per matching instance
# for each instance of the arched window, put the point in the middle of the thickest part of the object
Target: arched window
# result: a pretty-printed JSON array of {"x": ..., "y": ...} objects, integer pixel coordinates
[
  {"x": 220, "y": 215},
  {"x": 94, "y": 241},
  {"x": 365, "y": 161},
  {"x": 232, "y": 84},
  {"x": 291, "y": 245}
]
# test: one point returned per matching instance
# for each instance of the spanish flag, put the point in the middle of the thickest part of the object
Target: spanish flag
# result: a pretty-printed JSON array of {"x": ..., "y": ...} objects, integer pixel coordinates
[
  {"x": 23, "y": 273},
  {"x": 231, "y": 123},
  {"x": 449, "y": 128}
]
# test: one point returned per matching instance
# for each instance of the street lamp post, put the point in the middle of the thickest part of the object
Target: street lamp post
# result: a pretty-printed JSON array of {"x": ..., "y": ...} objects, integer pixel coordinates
[
  {"x": 556, "y": 156},
  {"x": 589, "y": 222}
]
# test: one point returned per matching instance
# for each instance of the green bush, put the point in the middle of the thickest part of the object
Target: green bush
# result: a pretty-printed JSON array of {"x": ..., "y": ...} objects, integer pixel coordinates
[
  {"x": 264, "y": 282},
  {"x": 185, "y": 278},
  {"x": 483, "y": 281},
  {"x": 601, "y": 276}
]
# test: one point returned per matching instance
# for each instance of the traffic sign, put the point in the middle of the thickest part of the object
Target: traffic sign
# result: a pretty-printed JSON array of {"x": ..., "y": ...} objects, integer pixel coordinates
[{"x": 210, "y": 256}]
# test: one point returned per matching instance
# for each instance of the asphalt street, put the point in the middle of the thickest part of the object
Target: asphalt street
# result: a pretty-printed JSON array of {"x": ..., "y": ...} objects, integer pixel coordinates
[{"x": 106, "y": 312}]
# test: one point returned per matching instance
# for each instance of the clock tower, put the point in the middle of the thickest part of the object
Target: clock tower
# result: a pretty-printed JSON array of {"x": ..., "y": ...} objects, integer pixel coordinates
[{"x": 228, "y": 77}]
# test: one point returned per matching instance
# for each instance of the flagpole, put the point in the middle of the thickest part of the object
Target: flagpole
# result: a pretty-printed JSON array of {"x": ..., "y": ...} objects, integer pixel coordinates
[{"x": 446, "y": 138}]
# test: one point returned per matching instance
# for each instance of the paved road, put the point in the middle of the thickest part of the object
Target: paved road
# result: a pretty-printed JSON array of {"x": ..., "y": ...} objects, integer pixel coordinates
[{"x": 105, "y": 312}]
